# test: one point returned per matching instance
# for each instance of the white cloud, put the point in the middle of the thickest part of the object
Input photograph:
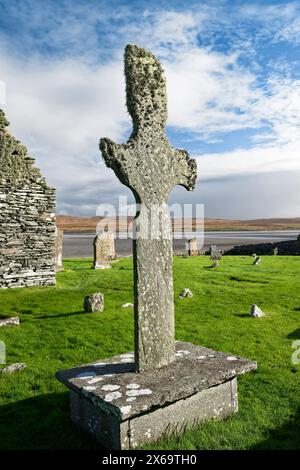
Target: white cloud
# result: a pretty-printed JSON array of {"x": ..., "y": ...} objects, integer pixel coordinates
[
  {"x": 60, "y": 107},
  {"x": 60, "y": 110},
  {"x": 257, "y": 160},
  {"x": 209, "y": 94}
]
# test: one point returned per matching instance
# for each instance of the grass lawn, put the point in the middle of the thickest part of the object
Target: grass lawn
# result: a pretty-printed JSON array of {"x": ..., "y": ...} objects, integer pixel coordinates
[{"x": 55, "y": 334}]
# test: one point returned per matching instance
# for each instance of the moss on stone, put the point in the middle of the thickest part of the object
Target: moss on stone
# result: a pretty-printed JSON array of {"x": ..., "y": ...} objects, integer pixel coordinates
[{"x": 16, "y": 166}]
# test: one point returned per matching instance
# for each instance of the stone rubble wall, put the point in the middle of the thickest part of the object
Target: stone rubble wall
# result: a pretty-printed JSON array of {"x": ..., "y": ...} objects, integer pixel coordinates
[
  {"x": 27, "y": 237},
  {"x": 27, "y": 222}
]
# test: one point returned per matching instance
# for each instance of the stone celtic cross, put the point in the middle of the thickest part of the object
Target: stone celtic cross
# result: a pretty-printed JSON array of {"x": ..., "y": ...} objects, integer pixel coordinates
[{"x": 150, "y": 167}]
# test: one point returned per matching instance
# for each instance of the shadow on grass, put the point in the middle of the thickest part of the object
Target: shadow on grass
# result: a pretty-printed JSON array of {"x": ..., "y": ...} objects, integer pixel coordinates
[
  {"x": 60, "y": 315},
  {"x": 41, "y": 422},
  {"x": 251, "y": 281},
  {"x": 286, "y": 437},
  {"x": 295, "y": 334},
  {"x": 242, "y": 315}
]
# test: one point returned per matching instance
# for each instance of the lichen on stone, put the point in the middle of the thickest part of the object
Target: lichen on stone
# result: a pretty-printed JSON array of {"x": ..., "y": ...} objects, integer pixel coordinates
[{"x": 16, "y": 165}]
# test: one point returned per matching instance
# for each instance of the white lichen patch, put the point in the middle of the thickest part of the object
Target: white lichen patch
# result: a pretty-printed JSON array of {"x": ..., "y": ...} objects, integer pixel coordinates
[
  {"x": 85, "y": 375},
  {"x": 133, "y": 386},
  {"x": 136, "y": 393},
  {"x": 232, "y": 358},
  {"x": 125, "y": 410},
  {"x": 201, "y": 357},
  {"x": 89, "y": 388},
  {"x": 211, "y": 355},
  {"x": 182, "y": 352},
  {"x": 130, "y": 399},
  {"x": 95, "y": 380},
  {"x": 112, "y": 396},
  {"x": 148, "y": 433},
  {"x": 110, "y": 387}
]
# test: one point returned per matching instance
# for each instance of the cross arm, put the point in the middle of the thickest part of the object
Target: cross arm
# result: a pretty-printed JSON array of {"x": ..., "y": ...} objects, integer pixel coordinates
[
  {"x": 115, "y": 158},
  {"x": 185, "y": 169}
]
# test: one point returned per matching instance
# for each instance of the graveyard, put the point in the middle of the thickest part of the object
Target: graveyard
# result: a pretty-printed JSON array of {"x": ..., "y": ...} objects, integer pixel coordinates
[{"x": 55, "y": 333}]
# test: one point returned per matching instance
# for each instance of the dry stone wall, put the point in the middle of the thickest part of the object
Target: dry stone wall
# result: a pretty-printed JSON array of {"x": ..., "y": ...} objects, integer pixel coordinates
[
  {"x": 288, "y": 247},
  {"x": 27, "y": 221}
]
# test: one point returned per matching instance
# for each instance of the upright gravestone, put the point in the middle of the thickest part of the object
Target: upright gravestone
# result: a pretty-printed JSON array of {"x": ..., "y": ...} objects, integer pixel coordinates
[
  {"x": 193, "y": 247},
  {"x": 104, "y": 249},
  {"x": 215, "y": 254},
  {"x": 59, "y": 236},
  {"x": 177, "y": 383}
]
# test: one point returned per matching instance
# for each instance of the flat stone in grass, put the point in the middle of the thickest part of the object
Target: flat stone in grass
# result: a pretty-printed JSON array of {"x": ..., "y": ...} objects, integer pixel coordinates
[
  {"x": 185, "y": 293},
  {"x": 13, "y": 368},
  {"x": 256, "y": 311},
  {"x": 94, "y": 303},
  {"x": 123, "y": 409},
  {"x": 13, "y": 321}
]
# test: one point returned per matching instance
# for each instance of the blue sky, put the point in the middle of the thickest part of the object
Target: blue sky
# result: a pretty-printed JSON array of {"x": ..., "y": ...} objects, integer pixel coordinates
[{"x": 233, "y": 77}]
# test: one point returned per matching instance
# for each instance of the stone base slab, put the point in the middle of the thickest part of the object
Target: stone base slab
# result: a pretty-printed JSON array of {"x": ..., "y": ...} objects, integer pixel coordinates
[
  {"x": 123, "y": 409},
  {"x": 216, "y": 402}
]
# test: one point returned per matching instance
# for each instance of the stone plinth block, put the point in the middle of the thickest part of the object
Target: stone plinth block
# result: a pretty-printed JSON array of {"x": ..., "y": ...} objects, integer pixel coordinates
[{"x": 123, "y": 409}]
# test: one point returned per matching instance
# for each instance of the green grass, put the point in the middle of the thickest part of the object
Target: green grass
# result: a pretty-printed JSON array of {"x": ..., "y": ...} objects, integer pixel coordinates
[{"x": 55, "y": 334}]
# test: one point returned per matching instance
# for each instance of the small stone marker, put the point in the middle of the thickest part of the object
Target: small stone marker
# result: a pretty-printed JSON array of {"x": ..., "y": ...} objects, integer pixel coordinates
[
  {"x": 185, "y": 293},
  {"x": 104, "y": 249},
  {"x": 257, "y": 261},
  {"x": 13, "y": 368},
  {"x": 193, "y": 247},
  {"x": 256, "y": 311},
  {"x": 94, "y": 303},
  {"x": 275, "y": 251},
  {"x": 59, "y": 236},
  {"x": 215, "y": 253},
  {"x": 164, "y": 385},
  {"x": 13, "y": 321}
]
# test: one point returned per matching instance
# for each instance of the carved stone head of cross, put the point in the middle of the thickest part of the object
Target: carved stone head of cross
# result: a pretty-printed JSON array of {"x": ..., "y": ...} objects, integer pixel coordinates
[{"x": 150, "y": 167}]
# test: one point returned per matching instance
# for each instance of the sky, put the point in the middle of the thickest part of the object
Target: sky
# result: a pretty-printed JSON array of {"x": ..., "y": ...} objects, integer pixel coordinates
[{"x": 233, "y": 84}]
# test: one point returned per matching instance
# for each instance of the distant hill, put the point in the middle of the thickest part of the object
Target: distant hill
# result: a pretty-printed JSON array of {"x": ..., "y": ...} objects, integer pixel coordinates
[{"x": 88, "y": 224}]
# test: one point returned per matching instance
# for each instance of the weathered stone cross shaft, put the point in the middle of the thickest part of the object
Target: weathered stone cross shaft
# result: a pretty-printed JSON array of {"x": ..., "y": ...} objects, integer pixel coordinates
[{"x": 150, "y": 167}]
